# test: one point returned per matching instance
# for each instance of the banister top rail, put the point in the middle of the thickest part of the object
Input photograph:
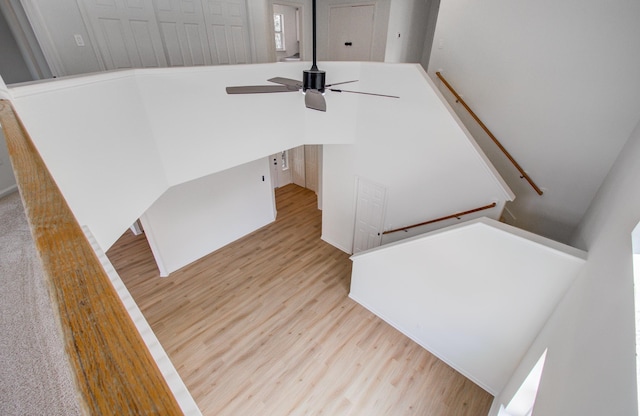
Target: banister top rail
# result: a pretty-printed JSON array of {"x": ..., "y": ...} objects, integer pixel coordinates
[
  {"x": 448, "y": 217},
  {"x": 114, "y": 370},
  {"x": 486, "y": 130}
]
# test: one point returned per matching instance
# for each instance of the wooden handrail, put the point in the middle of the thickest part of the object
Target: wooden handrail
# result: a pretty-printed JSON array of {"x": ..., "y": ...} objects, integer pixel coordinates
[
  {"x": 114, "y": 370},
  {"x": 486, "y": 130},
  {"x": 448, "y": 217}
]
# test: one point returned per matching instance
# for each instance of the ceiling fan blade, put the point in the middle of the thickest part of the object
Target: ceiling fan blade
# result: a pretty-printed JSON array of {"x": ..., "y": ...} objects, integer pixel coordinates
[
  {"x": 287, "y": 81},
  {"x": 340, "y": 83},
  {"x": 314, "y": 100},
  {"x": 259, "y": 89},
  {"x": 364, "y": 93}
]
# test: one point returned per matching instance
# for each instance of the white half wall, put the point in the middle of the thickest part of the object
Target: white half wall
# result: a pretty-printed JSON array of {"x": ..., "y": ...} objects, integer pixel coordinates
[
  {"x": 114, "y": 142},
  {"x": 195, "y": 218},
  {"x": 475, "y": 295},
  {"x": 194, "y": 120},
  {"x": 96, "y": 141}
]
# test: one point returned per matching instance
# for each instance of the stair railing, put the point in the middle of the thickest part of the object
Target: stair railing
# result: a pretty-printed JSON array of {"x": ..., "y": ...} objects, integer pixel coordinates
[
  {"x": 459, "y": 99},
  {"x": 448, "y": 217}
]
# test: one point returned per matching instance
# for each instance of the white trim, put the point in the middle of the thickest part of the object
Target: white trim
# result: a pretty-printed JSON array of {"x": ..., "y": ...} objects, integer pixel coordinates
[
  {"x": 336, "y": 245},
  {"x": 518, "y": 233},
  {"x": 9, "y": 190}
]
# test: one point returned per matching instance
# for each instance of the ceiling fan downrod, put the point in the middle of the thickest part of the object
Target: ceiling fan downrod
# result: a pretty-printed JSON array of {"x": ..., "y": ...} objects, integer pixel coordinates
[{"x": 314, "y": 78}]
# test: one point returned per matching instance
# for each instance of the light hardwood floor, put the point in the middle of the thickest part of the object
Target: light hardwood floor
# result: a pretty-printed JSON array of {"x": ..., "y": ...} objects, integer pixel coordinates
[{"x": 264, "y": 326}]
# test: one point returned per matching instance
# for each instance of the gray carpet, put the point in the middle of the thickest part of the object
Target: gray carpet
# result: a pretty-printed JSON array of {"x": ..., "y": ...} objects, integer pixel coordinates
[{"x": 35, "y": 376}]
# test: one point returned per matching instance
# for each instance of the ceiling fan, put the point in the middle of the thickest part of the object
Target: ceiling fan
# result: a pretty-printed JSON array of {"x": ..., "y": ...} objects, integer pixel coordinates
[{"x": 312, "y": 85}]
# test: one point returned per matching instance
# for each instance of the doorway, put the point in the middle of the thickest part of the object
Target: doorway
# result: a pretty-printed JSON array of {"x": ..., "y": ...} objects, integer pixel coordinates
[
  {"x": 287, "y": 31},
  {"x": 280, "y": 172},
  {"x": 351, "y": 32}
]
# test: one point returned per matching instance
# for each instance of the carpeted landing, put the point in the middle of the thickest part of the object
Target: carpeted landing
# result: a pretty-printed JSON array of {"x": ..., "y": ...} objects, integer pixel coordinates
[{"x": 35, "y": 376}]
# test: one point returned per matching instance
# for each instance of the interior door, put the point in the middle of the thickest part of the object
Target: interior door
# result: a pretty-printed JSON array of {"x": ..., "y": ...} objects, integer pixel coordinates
[
  {"x": 351, "y": 32},
  {"x": 370, "y": 205},
  {"x": 296, "y": 157},
  {"x": 311, "y": 167},
  {"x": 126, "y": 33},
  {"x": 228, "y": 31},
  {"x": 184, "y": 32}
]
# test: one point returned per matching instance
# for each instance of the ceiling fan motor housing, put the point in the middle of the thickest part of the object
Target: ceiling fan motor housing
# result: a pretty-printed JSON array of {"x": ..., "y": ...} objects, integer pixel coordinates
[{"x": 313, "y": 79}]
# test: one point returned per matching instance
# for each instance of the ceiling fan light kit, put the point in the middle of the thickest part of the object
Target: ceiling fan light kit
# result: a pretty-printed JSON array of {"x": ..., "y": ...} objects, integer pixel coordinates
[
  {"x": 313, "y": 79},
  {"x": 313, "y": 83}
]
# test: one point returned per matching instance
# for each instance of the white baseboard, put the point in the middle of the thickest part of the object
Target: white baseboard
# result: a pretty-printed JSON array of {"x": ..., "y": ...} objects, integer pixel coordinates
[
  {"x": 8, "y": 191},
  {"x": 348, "y": 251}
]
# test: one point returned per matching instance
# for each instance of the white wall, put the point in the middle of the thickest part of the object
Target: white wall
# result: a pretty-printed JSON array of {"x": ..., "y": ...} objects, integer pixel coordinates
[
  {"x": 475, "y": 295},
  {"x": 416, "y": 150},
  {"x": 13, "y": 67},
  {"x": 196, "y": 218},
  {"x": 406, "y": 31},
  {"x": 430, "y": 28},
  {"x": 95, "y": 138},
  {"x": 56, "y": 23},
  {"x": 590, "y": 367},
  {"x": 557, "y": 83},
  {"x": 26, "y": 39}
]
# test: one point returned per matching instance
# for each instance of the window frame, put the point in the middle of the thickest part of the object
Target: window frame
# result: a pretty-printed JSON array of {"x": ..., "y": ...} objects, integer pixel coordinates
[{"x": 279, "y": 33}]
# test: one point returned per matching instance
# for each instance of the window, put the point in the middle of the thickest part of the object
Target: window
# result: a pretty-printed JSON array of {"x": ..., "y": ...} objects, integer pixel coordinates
[
  {"x": 278, "y": 28},
  {"x": 285, "y": 159}
]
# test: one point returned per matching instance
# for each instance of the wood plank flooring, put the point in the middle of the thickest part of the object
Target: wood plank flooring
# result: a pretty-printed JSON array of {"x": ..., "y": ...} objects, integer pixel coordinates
[{"x": 264, "y": 326}]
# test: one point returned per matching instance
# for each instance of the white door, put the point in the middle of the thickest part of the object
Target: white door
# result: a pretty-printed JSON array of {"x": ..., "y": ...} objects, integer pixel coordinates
[
  {"x": 228, "y": 30},
  {"x": 351, "y": 32},
  {"x": 311, "y": 167},
  {"x": 184, "y": 32},
  {"x": 370, "y": 205},
  {"x": 126, "y": 33},
  {"x": 296, "y": 157}
]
